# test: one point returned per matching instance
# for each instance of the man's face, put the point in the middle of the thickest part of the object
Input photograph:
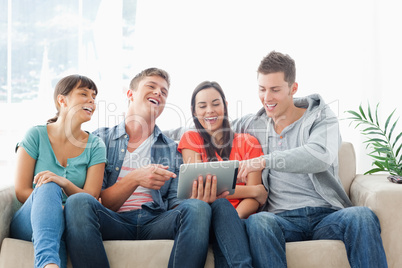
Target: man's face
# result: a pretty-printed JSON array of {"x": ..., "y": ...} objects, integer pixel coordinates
[
  {"x": 275, "y": 94},
  {"x": 150, "y": 96}
]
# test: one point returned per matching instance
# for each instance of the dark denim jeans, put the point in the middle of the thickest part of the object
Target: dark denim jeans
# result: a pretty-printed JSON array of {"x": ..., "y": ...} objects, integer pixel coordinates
[
  {"x": 357, "y": 227},
  {"x": 229, "y": 237},
  {"x": 90, "y": 223}
]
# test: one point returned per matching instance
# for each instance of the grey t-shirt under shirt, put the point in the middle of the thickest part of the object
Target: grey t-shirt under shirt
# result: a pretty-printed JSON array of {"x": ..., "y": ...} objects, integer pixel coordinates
[{"x": 288, "y": 191}]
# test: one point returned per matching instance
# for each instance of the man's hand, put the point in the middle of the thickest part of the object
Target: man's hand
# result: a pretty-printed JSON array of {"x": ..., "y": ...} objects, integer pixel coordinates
[
  {"x": 153, "y": 176},
  {"x": 248, "y": 166},
  {"x": 206, "y": 193}
]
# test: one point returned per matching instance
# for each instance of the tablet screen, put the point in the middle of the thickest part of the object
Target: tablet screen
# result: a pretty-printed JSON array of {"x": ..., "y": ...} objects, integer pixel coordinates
[{"x": 225, "y": 172}]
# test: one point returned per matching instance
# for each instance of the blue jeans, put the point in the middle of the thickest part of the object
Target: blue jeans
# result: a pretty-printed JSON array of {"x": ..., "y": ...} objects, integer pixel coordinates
[
  {"x": 41, "y": 220},
  {"x": 229, "y": 238},
  {"x": 357, "y": 227},
  {"x": 90, "y": 223}
]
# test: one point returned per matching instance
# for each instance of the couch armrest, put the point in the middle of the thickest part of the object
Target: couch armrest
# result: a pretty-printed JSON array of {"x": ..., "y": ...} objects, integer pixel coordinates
[
  {"x": 7, "y": 208},
  {"x": 385, "y": 199}
]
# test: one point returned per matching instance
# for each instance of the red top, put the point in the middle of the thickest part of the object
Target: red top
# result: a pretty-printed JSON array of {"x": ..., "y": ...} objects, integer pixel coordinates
[{"x": 244, "y": 147}]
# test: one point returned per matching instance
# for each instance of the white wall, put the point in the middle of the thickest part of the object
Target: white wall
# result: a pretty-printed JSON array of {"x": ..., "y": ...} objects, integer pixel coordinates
[{"x": 347, "y": 51}]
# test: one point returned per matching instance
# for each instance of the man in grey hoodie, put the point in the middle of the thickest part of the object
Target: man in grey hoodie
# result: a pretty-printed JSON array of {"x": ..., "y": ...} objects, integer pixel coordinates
[{"x": 306, "y": 201}]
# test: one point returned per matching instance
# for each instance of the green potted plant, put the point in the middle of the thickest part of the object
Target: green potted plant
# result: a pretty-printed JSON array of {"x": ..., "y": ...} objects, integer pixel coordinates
[{"x": 386, "y": 152}]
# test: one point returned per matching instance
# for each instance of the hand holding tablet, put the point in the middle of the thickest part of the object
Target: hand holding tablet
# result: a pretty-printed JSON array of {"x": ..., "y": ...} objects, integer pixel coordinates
[{"x": 225, "y": 172}]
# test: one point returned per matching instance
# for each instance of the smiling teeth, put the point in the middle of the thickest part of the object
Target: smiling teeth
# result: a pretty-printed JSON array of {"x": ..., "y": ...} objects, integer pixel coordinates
[
  {"x": 87, "y": 108},
  {"x": 153, "y": 101},
  {"x": 270, "y": 106},
  {"x": 211, "y": 118}
]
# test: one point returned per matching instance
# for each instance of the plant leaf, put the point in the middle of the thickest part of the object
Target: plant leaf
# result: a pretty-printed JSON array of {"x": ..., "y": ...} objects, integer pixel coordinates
[
  {"x": 355, "y": 114},
  {"x": 382, "y": 158},
  {"x": 374, "y": 133},
  {"x": 398, "y": 150},
  {"x": 397, "y": 138},
  {"x": 387, "y": 122},
  {"x": 362, "y": 112},
  {"x": 375, "y": 140},
  {"x": 376, "y": 115},
  {"x": 392, "y": 129},
  {"x": 369, "y": 112},
  {"x": 383, "y": 150},
  {"x": 374, "y": 170},
  {"x": 371, "y": 128},
  {"x": 378, "y": 164}
]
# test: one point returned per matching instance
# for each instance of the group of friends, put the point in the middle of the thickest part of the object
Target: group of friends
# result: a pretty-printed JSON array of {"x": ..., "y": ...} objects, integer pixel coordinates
[{"x": 120, "y": 183}]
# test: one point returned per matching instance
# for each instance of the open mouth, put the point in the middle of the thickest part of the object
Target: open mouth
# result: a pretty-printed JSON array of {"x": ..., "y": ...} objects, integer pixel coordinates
[
  {"x": 154, "y": 101},
  {"x": 89, "y": 109},
  {"x": 210, "y": 120},
  {"x": 270, "y": 107}
]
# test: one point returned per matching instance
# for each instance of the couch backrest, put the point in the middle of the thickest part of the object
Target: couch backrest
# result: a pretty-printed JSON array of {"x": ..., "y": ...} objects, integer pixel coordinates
[{"x": 347, "y": 165}]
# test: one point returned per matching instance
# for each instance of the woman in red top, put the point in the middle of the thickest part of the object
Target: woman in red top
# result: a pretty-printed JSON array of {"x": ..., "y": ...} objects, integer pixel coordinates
[{"x": 215, "y": 141}]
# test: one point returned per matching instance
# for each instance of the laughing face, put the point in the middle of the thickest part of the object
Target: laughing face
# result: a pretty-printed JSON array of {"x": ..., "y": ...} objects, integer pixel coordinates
[
  {"x": 80, "y": 103},
  {"x": 149, "y": 98},
  {"x": 209, "y": 109},
  {"x": 276, "y": 95}
]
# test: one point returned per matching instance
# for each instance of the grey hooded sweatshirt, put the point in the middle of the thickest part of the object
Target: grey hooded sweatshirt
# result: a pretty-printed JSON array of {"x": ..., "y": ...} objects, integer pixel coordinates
[{"x": 316, "y": 154}]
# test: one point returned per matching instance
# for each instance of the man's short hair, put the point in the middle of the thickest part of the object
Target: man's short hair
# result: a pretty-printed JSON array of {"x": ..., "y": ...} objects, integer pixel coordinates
[
  {"x": 277, "y": 62},
  {"x": 146, "y": 73}
]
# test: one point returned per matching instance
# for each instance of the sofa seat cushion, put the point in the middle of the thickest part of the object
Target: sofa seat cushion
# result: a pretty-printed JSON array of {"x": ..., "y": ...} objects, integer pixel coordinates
[
  {"x": 127, "y": 253},
  {"x": 317, "y": 253},
  {"x": 155, "y": 253}
]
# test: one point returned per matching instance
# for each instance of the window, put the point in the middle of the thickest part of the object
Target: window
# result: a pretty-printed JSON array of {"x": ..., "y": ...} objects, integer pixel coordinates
[
  {"x": 43, "y": 41},
  {"x": 47, "y": 40}
]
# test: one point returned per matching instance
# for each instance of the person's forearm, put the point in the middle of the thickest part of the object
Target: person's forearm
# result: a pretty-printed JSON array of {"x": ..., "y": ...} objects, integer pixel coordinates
[
  {"x": 247, "y": 207},
  {"x": 244, "y": 191},
  {"x": 23, "y": 194},
  {"x": 70, "y": 188},
  {"x": 115, "y": 196}
]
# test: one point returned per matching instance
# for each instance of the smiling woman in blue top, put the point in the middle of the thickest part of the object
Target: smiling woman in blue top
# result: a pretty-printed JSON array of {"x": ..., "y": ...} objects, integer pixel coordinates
[{"x": 55, "y": 161}]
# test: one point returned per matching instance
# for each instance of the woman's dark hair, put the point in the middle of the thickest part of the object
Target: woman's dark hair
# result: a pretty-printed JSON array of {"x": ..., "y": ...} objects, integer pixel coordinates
[
  {"x": 66, "y": 85},
  {"x": 224, "y": 146}
]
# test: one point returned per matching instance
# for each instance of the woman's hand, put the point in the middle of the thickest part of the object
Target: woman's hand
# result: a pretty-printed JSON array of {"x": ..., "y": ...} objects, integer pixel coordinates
[
  {"x": 248, "y": 166},
  {"x": 206, "y": 193},
  {"x": 47, "y": 176}
]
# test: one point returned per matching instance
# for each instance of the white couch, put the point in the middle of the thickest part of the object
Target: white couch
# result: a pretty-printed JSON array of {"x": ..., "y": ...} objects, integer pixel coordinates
[{"x": 373, "y": 191}]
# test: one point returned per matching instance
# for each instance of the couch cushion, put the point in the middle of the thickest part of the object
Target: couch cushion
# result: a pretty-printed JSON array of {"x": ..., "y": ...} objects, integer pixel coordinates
[
  {"x": 138, "y": 253},
  {"x": 6, "y": 211},
  {"x": 322, "y": 253},
  {"x": 155, "y": 253},
  {"x": 347, "y": 165}
]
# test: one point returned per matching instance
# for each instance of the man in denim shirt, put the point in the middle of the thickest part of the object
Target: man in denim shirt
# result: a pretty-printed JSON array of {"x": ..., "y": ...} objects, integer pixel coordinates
[{"x": 139, "y": 192}]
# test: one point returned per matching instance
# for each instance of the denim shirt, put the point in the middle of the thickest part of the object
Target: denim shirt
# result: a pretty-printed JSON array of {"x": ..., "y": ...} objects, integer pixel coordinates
[{"x": 163, "y": 151}]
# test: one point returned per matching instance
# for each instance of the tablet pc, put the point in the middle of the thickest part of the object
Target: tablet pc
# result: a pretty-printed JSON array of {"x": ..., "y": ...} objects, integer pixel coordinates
[{"x": 225, "y": 172}]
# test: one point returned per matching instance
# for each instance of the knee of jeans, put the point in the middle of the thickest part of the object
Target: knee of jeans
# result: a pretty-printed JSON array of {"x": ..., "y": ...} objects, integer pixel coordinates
[
  {"x": 362, "y": 215},
  {"x": 78, "y": 204},
  {"x": 260, "y": 221},
  {"x": 197, "y": 208},
  {"x": 49, "y": 188},
  {"x": 220, "y": 204}
]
